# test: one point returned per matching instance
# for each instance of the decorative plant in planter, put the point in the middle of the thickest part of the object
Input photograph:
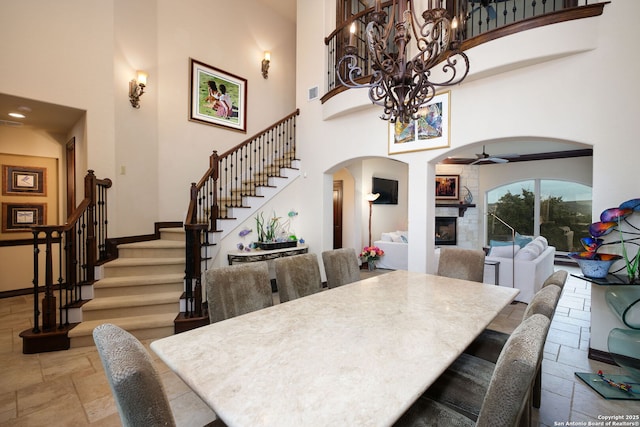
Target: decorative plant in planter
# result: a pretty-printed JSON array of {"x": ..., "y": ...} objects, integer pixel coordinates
[
  {"x": 597, "y": 264},
  {"x": 274, "y": 233},
  {"x": 370, "y": 254}
]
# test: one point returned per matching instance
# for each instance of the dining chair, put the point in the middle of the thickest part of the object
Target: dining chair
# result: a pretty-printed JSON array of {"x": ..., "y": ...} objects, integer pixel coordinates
[
  {"x": 474, "y": 392},
  {"x": 459, "y": 263},
  {"x": 341, "y": 266},
  {"x": 237, "y": 289},
  {"x": 558, "y": 278},
  {"x": 297, "y": 276},
  {"x": 134, "y": 381},
  {"x": 490, "y": 343}
]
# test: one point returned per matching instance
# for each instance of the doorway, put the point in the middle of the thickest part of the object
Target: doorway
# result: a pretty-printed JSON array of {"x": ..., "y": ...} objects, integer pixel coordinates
[{"x": 338, "y": 194}]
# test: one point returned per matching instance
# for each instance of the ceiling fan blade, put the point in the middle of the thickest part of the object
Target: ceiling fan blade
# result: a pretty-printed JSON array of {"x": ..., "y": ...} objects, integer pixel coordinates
[
  {"x": 497, "y": 160},
  {"x": 457, "y": 160}
]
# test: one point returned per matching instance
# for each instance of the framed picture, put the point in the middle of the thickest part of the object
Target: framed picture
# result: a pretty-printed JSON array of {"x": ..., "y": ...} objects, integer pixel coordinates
[
  {"x": 447, "y": 187},
  {"x": 217, "y": 98},
  {"x": 20, "y": 216},
  {"x": 23, "y": 181},
  {"x": 428, "y": 132}
]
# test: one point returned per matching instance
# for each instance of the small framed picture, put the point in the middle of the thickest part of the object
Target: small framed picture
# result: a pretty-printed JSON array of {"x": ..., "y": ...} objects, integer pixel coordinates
[
  {"x": 447, "y": 187},
  {"x": 218, "y": 98},
  {"x": 23, "y": 181},
  {"x": 428, "y": 132},
  {"x": 20, "y": 216}
]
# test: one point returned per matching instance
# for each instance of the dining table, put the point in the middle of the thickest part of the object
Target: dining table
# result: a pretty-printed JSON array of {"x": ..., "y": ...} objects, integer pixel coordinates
[{"x": 355, "y": 355}]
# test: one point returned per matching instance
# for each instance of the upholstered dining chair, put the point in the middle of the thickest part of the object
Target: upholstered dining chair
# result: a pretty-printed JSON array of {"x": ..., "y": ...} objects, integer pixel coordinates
[
  {"x": 297, "y": 276},
  {"x": 490, "y": 343},
  {"x": 459, "y": 263},
  {"x": 341, "y": 266},
  {"x": 476, "y": 392},
  {"x": 135, "y": 383},
  {"x": 237, "y": 289},
  {"x": 558, "y": 278}
]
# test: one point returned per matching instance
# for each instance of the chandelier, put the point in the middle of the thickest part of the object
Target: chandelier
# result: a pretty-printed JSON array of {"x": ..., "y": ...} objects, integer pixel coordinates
[{"x": 401, "y": 83}]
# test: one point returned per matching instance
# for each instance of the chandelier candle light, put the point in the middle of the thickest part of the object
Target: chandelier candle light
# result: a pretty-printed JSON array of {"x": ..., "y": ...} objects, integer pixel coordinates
[{"x": 399, "y": 83}]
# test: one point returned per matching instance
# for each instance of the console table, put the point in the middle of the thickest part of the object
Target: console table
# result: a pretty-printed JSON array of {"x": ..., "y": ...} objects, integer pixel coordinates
[{"x": 255, "y": 255}]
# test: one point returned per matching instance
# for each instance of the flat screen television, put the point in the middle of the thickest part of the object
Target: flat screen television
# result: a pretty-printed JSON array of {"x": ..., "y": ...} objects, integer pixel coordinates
[{"x": 388, "y": 189}]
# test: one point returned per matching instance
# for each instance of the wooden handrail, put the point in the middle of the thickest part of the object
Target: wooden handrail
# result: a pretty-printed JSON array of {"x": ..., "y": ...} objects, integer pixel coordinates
[
  {"x": 244, "y": 163},
  {"x": 81, "y": 242}
]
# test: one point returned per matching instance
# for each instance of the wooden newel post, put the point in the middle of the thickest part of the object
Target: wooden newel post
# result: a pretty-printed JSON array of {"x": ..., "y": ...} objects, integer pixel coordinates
[{"x": 49, "y": 300}]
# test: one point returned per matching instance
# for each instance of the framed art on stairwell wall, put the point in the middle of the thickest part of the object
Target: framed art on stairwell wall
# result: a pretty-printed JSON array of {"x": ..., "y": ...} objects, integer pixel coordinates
[{"x": 217, "y": 98}]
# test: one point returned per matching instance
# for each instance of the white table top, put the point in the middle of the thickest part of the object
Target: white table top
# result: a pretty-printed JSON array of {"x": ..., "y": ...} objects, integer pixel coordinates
[{"x": 359, "y": 354}]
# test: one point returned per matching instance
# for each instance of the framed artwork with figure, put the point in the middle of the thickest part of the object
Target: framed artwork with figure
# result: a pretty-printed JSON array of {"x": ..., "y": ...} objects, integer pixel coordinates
[{"x": 218, "y": 98}]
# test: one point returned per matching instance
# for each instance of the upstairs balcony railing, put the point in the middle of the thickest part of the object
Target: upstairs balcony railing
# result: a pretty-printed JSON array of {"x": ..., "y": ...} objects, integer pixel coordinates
[
  {"x": 481, "y": 21},
  {"x": 230, "y": 178}
]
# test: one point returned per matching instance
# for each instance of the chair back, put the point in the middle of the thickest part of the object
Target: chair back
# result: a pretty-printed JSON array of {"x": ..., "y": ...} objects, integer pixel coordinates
[
  {"x": 341, "y": 266},
  {"x": 465, "y": 264},
  {"x": 544, "y": 302},
  {"x": 558, "y": 278},
  {"x": 297, "y": 276},
  {"x": 134, "y": 381},
  {"x": 508, "y": 396},
  {"x": 237, "y": 289}
]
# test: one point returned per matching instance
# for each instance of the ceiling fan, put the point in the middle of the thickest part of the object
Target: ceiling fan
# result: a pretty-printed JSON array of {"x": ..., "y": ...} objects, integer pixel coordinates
[{"x": 482, "y": 158}]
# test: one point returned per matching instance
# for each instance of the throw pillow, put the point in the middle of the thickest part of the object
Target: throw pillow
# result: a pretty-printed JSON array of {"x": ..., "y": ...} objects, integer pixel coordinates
[
  {"x": 539, "y": 245},
  {"x": 545, "y": 243},
  {"x": 528, "y": 253},
  {"x": 395, "y": 237},
  {"x": 493, "y": 243},
  {"x": 504, "y": 251},
  {"x": 522, "y": 241},
  {"x": 386, "y": 237}
]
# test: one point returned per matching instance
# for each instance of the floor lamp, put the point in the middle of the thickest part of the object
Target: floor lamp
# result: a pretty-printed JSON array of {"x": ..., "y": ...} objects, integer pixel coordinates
[
  {"x": 371, "y": 197},
  {"x": 513, "y": 248}
]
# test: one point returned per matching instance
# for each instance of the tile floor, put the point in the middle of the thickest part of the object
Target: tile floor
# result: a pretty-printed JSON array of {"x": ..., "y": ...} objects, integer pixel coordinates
[{"x": 69, "y": 388}]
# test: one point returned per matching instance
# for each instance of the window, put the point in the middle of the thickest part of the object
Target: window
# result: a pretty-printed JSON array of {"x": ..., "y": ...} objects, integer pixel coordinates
[{"x": 557, "y": 210}]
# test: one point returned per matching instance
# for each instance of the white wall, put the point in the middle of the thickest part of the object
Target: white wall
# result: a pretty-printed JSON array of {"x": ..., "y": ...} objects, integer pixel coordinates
[{"x": 527, "y": 94}]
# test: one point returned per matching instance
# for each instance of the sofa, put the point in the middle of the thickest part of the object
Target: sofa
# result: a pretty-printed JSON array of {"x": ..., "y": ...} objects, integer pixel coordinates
[
  {"x": 396, "y": 250},
  {"x": 534, "y": 262}
]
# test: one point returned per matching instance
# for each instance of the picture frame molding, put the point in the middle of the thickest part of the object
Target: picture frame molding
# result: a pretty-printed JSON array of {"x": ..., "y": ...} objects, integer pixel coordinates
[
  {"x": 441, "y": 191},
  {"x": 24, "y": 181},
  {"x": 197, "y": 93},
  {"x": 419, "y": 142}
]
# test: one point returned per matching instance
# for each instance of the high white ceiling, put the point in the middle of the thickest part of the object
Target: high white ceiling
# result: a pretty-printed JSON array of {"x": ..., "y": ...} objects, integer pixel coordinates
[{"x": 286, "y": 8}]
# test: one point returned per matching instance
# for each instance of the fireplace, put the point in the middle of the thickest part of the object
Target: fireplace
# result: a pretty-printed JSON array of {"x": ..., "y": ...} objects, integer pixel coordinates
[{"x": 446, "y": 230}]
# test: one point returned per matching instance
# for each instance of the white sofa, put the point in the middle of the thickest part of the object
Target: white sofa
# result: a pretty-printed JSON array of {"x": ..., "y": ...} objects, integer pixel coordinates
[
  {"x": 533, "y": 264},
  {"x": 396, "y": 250}
]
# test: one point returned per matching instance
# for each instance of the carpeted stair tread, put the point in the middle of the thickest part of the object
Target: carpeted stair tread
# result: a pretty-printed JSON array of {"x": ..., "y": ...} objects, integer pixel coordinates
[
  {"x": 128, "y": 301},
  {"x": 130, "y": 262},
  {"x": 115, "y": 282},
  {"x": 160, "y": 244},
  {"x": 128, "y": 323}
]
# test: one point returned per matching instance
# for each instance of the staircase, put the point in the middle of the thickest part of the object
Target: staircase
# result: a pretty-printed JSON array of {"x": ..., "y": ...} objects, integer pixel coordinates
[
  {"x": 152, "y": 288},
  {"x": 140, "y": 291}
]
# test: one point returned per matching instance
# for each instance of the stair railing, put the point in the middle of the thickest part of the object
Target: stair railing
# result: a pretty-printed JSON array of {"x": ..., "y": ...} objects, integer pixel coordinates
[
  {"x": 72, "y": 252},
  {"x": 230, "y": 177}
]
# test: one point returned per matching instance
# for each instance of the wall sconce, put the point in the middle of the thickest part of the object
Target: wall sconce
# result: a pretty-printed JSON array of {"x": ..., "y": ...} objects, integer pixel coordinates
[
  {"x": 265, "y": 64},
  {"x": 136, "y": 89}
]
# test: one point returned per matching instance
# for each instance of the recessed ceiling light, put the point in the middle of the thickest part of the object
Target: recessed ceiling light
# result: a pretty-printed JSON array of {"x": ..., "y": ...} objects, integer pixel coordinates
[
  {"x": 24, "y": 109},
  {"x": 17, "y": 115}
]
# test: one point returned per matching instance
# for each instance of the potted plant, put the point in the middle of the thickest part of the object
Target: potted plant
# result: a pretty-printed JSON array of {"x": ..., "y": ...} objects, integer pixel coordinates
[
  {"x": 370, "y": 254},
  {"x": 274, "y": 234}
]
